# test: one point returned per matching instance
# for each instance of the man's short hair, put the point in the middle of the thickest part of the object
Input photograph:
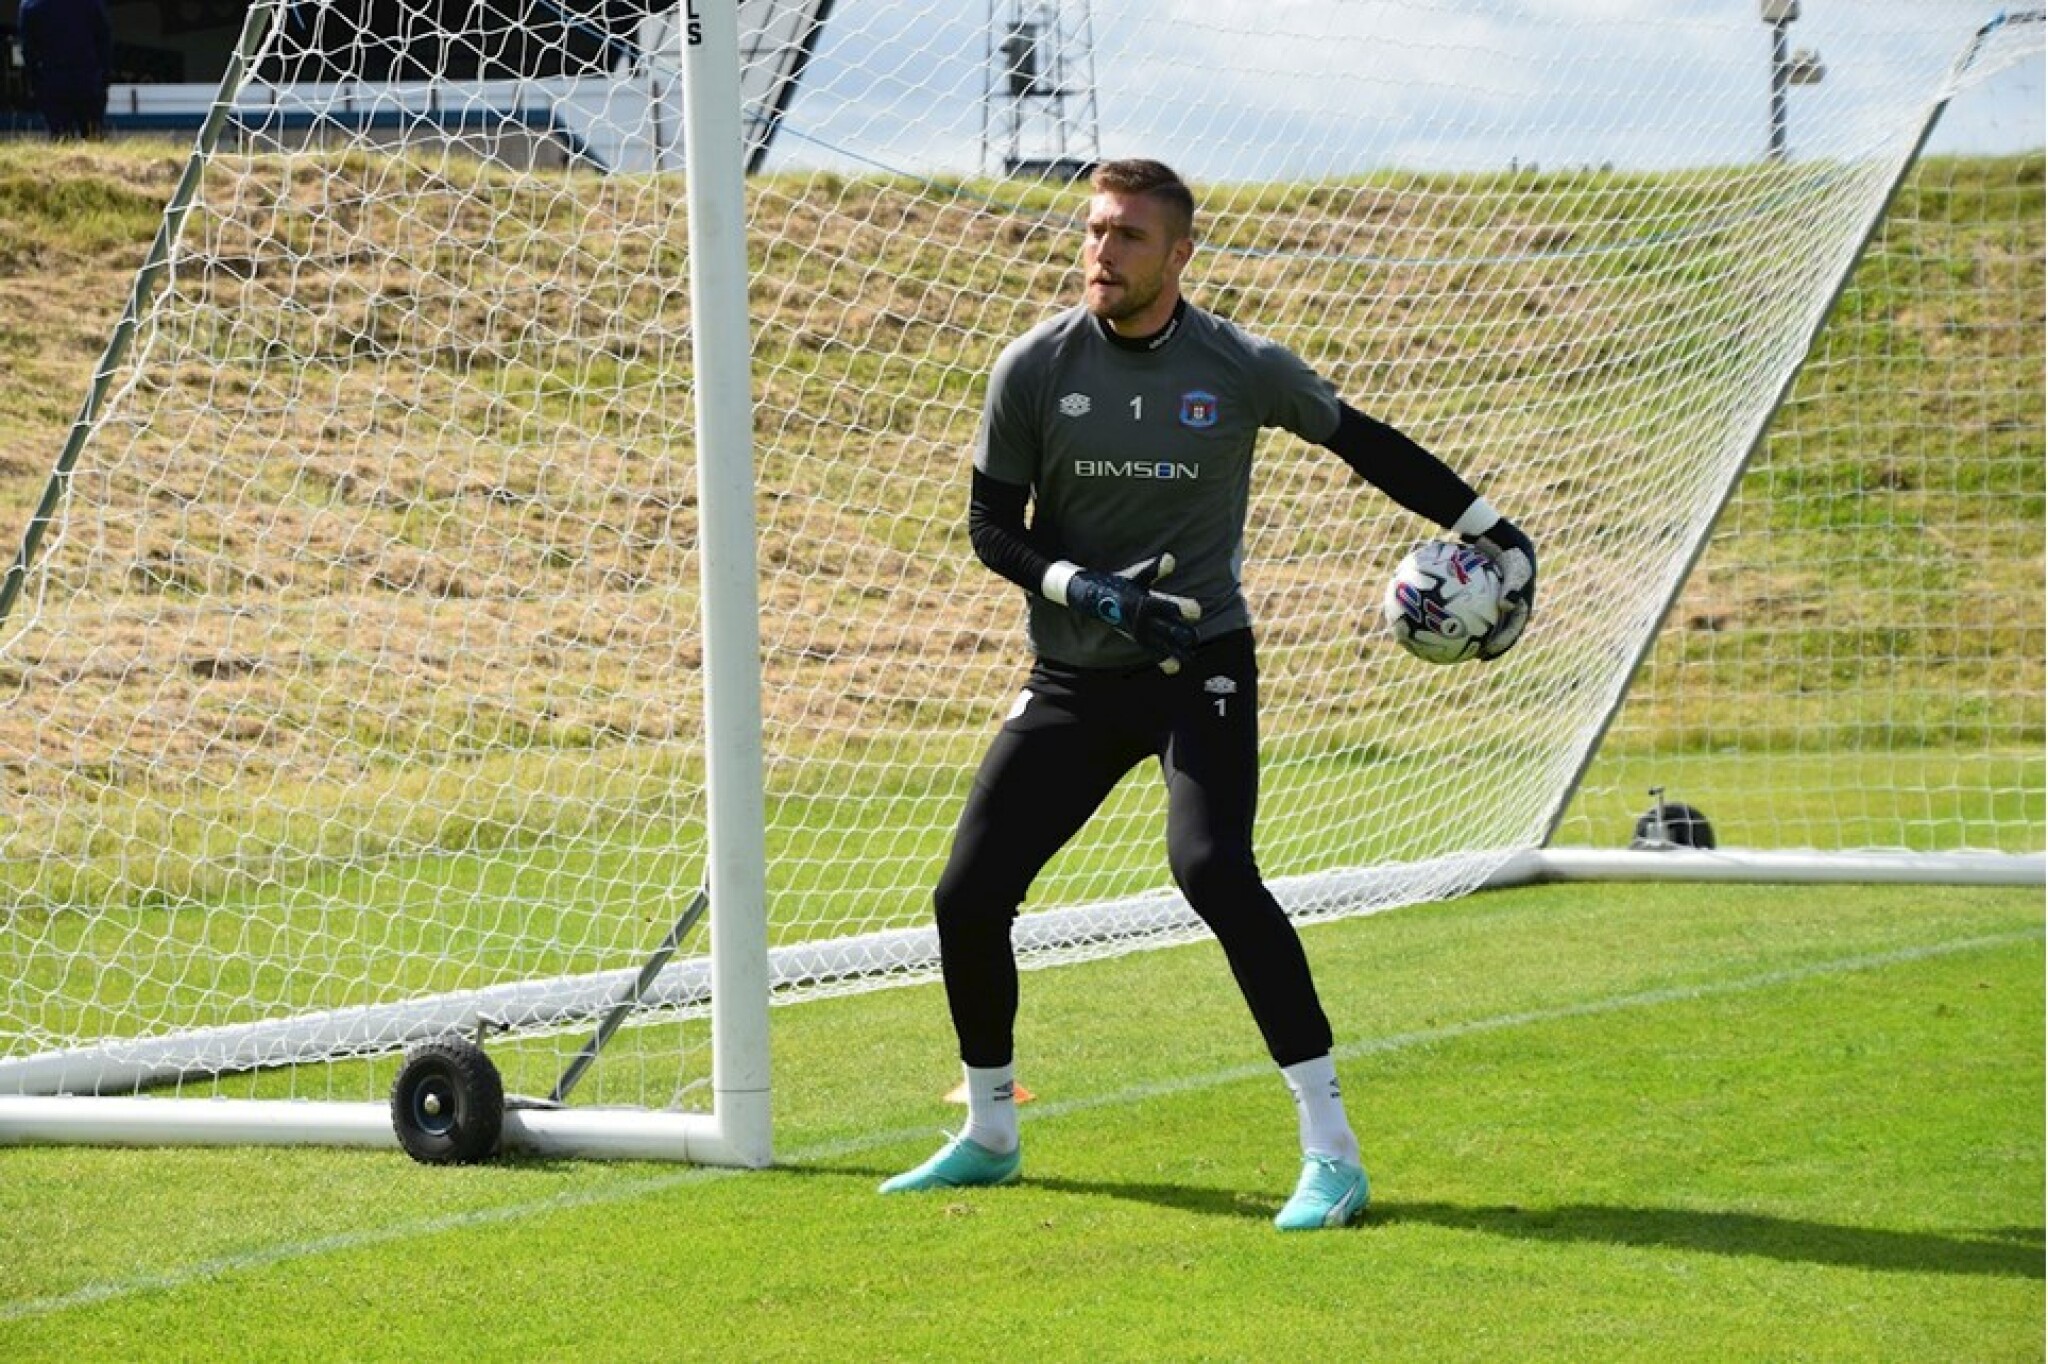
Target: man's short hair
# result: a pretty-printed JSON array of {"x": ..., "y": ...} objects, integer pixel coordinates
[{"x": 1153, "y": 179}]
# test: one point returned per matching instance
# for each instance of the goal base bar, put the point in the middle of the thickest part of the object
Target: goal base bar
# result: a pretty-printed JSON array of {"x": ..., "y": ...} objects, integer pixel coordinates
[
  {"x": 119, "y": 1069},
  {"x": 586, "y": 1134},
  {"x": 1764, "y": 868}
]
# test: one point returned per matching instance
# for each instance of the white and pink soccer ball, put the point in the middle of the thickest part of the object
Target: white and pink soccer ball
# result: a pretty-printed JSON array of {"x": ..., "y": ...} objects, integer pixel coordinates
[{"x": 1443, "y": 602}]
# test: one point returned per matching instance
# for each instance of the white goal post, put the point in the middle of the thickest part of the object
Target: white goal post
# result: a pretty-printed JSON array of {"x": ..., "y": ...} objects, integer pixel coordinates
[{"x": 461, "y": 558}]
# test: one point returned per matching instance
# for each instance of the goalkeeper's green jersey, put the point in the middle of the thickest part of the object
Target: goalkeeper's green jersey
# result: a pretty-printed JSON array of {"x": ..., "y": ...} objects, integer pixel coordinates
[{"x": 1136, "y": 449}]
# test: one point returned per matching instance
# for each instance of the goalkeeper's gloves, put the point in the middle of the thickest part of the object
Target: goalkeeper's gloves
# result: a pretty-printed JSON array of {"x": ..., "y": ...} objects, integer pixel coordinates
[
  {"x": 1126, "y": 602},
  {"x": 1514, "y": 555}
]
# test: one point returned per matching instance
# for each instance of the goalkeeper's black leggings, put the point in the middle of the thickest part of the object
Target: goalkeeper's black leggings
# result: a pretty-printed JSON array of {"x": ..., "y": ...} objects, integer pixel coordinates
[{"x": 1070, "y": 738}]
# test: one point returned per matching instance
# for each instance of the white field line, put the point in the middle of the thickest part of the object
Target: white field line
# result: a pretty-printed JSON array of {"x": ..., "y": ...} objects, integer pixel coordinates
[{"x": 171, "y": 1280}]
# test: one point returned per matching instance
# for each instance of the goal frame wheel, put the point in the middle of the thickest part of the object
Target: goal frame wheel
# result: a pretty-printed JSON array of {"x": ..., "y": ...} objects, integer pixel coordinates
[
  {"x": 1673, "y": 824},
  {"x": 448, "y": 1103}
]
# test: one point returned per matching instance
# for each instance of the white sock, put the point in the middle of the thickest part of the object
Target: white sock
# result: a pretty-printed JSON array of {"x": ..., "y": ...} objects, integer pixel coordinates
[
  {"x": 1319, "y": 1104},
  {"x": 992, "y": 1107}
]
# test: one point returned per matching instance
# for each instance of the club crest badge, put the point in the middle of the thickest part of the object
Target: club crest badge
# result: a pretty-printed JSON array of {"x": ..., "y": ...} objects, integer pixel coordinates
[{"x": 1198, "y": 409}]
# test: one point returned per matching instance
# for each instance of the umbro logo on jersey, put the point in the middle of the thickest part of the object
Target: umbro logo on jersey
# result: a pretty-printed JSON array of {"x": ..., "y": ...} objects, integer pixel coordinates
[
  {"x": 1075, "y": 405},
  {"x": 1220, "y": 686}
]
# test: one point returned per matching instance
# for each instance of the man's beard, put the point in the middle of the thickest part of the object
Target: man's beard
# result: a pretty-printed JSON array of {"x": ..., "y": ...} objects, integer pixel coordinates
[{"x": 1133, "y": 300}]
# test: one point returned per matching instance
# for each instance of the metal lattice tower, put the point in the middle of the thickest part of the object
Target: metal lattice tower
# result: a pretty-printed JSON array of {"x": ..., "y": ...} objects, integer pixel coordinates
[{"x": 1039, "y": 113}]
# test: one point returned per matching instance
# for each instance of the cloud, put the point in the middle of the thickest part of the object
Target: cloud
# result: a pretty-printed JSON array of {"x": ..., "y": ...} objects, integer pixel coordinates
[{"x": 1254, "y": 89}]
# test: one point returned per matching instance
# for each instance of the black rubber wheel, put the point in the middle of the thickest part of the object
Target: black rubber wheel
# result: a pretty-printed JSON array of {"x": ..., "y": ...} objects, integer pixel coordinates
[
  {"x": 448, "y": 1103},
  {"x": 1684, "y": 827}
]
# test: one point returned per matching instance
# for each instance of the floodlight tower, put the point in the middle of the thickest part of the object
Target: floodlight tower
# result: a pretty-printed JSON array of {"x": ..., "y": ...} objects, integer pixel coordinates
[
  {"x": 1038, "y": 114},
  {"x": 1803, "y": 67}
]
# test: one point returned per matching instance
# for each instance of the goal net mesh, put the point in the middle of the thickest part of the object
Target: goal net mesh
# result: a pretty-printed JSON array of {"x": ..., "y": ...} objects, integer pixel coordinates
[{"x": 357, "y": 677}]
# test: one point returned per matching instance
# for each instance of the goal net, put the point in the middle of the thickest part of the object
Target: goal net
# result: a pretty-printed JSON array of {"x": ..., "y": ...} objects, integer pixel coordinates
[
  {"x": 351, "y": 669},
  {"x": 1856, "y": 661}
]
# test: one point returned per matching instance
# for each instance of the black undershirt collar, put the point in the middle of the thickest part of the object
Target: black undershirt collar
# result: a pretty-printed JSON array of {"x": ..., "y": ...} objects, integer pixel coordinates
[{"x": 1146, "y": 343}]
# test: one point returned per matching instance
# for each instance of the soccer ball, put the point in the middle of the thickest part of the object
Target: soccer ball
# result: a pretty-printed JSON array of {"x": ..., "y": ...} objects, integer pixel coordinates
[{"x": 1443, "y": 601}]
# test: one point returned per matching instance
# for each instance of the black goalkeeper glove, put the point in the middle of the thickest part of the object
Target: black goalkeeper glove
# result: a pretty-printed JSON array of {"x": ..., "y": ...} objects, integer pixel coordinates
[
  {"x": 1514, "y": 554},
  {"x": 1125, "y": 601}
]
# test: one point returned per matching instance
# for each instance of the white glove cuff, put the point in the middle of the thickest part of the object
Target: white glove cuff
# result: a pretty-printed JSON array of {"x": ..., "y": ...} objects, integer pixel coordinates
[
  {"x": 1478, "y": 519},
  {"x": 1054, "y": 584}
]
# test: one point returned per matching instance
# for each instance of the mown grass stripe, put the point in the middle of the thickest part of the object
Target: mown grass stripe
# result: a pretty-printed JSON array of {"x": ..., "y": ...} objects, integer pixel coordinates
[{"x": 172, "y": 1280}]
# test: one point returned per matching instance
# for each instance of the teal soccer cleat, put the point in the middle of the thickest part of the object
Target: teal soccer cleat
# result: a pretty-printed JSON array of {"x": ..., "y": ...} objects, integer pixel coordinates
[
  {"x": 1332, "y": 1193},
  {"x": 960, "y": 1164}
]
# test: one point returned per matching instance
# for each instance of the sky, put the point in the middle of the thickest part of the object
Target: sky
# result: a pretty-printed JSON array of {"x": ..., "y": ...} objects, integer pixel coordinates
[{"x": 1258, "y": 89}]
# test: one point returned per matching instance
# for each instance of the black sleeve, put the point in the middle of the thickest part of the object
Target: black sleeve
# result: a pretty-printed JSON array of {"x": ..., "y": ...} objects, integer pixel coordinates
[
  {"x": 995, "y": 527},
  {"x": 1400, "y": 468}
]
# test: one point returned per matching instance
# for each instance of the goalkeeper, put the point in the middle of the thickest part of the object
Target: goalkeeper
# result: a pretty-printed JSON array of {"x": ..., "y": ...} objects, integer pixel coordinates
[{"x": 1126, "y": 427}]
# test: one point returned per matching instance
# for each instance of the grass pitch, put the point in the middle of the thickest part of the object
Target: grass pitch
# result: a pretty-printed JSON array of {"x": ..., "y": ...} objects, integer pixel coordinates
[{"x": 1603, "y": 1123}]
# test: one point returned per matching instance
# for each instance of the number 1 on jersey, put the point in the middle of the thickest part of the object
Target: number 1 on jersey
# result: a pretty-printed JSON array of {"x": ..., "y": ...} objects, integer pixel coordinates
[{"x": 1138, "y": 408}]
